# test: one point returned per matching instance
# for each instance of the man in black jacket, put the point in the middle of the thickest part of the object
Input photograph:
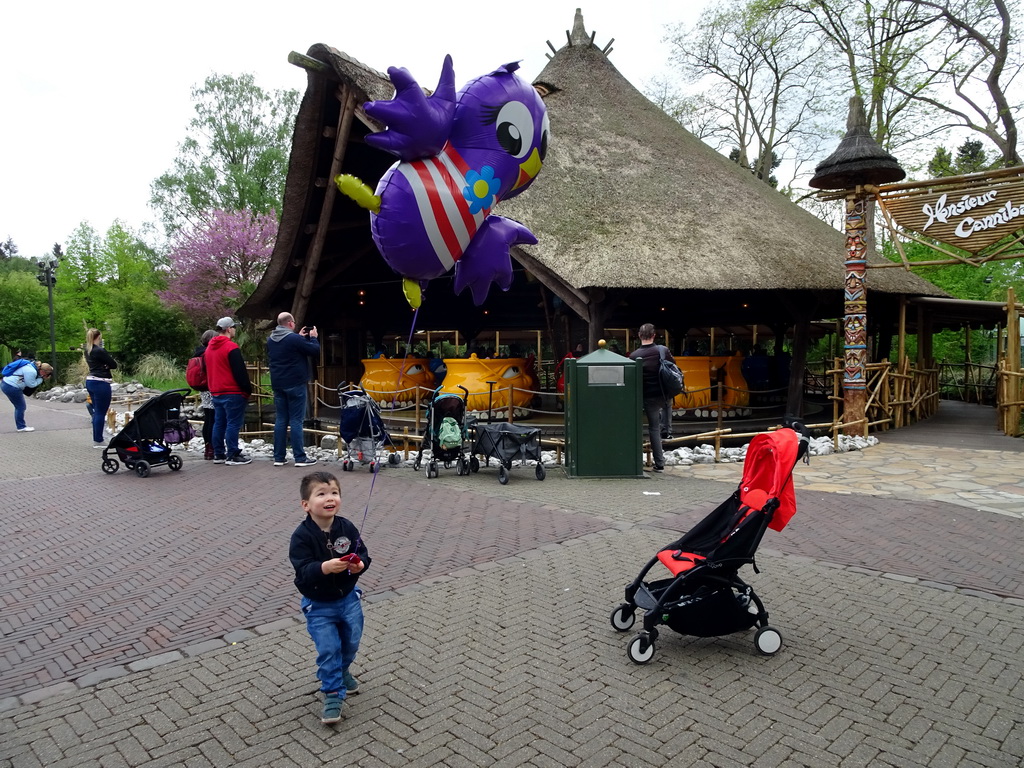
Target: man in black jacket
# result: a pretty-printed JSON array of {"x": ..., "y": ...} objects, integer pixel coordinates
[
  {"x": 289, "y": 355},
  {"x": 654, "y": 398}
]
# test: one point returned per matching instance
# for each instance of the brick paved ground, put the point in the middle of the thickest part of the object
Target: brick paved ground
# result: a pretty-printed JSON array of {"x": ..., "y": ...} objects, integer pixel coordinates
[{"x": 487, "y": 640}]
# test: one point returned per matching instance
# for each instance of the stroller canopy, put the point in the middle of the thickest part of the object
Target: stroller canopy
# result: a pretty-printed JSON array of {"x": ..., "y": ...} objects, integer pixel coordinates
[{"x": 768, "y": 474}]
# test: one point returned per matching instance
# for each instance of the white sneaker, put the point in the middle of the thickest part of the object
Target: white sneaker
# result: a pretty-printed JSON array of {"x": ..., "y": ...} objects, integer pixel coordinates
[
  {"x": 306, "y": 463},
  {"x": 27, "y": 429},
  {"x": 99, "y": 445},
  {"x": 280, "y": 463}
]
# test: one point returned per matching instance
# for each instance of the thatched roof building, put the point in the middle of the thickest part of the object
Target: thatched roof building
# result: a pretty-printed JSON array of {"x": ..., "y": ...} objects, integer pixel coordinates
[{"x": 637, "y": 221}]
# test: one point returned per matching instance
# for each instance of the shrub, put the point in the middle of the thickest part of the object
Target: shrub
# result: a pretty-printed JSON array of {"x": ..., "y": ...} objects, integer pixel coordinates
[{"x": 157, "y": 370}]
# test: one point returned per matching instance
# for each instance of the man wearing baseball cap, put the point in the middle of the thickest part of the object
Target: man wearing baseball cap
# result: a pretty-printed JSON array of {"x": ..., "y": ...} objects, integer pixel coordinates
[{"x": 230, "y": 388}]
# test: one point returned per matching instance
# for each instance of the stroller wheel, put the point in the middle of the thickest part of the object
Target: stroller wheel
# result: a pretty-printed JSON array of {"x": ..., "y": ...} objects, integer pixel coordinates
[
  {"x": 623, "y": 617},
  {"x": 110, "y": 466},
  {"x": 432, "y": 469},
  {"x": 768, "y": 641},
  {"x": 416, "y": 464},
  {"x": 640, "y": 649},
  {"x": 474, "y": 464},
  {"x": 502, "y": 475},
  {"x": 393, "y": 459},
  {"x": 142, "y": 468},
  {"x": 541, "y": 474},
  {"x": 373, "y": 466},
  {"x": 460, "y": 467},
  {"x": 174, "y": 462}
]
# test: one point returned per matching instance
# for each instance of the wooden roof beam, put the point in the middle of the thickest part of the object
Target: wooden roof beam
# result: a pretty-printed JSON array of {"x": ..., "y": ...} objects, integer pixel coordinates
[{"x": 312, "y": 262}]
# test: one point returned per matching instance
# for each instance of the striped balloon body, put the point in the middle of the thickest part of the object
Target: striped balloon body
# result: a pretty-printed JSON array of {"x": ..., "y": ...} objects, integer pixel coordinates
[{"x": 424, "y": 224}]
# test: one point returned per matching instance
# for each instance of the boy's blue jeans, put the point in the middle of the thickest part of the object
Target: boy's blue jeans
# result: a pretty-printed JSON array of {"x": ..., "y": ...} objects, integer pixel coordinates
[{"x": 336, "y": 629}]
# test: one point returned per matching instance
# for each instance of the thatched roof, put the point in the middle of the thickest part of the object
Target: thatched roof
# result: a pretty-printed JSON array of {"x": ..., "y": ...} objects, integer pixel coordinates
[
  {"x": 631, "y": 211},
  {"x": 628, "y": 198}
]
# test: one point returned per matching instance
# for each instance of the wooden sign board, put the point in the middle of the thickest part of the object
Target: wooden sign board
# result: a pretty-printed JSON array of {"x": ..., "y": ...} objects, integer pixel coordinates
[{"x": 970, "y": 216}]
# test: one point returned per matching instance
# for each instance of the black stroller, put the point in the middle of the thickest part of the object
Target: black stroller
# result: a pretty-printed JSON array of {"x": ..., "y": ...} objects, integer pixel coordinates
[
  {"x": 146, "y": 439},
  {"x": 445, "y": 434},
  {"x": 705, "y": 597},
  {"x": 362, "y": 429},
  {"x": 506, "y": 443}
]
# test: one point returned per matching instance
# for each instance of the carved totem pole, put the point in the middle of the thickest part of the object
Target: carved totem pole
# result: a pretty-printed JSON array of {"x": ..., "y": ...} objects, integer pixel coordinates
[{"x": 858, "y": 163}]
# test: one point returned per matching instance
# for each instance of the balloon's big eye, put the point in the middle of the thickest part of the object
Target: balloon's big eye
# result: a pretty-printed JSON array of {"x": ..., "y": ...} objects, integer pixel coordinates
[{"x": 514, "y": 129}]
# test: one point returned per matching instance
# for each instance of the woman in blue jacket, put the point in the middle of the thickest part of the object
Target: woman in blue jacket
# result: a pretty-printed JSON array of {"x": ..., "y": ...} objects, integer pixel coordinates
[{"x": 28, "y": 376}]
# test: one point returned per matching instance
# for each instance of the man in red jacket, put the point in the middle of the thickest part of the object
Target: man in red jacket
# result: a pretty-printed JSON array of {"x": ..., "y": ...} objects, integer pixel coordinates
[{"x": 230, "y": 388}]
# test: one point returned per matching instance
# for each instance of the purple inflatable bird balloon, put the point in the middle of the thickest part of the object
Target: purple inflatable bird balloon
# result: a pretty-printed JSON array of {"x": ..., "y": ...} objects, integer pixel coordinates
[{"x": 459, "y": 154}]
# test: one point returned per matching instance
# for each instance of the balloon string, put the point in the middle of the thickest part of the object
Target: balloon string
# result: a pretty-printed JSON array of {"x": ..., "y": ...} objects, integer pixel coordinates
[
  {"x": 376, "y": 463},
  {"x": 405, "y": 357}
]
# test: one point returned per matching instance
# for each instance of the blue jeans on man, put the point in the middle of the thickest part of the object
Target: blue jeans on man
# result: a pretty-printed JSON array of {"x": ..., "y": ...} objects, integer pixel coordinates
[
  {"x": 336, "y": 629},
  {"x": 17, "y": 398},
  {"x": 228, "y": 415},
  {"x": 289, "y": 411}
]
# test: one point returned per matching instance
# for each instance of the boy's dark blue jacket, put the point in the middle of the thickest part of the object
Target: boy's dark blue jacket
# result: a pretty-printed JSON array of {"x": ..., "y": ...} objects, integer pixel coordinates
[
  {"x": 289, "y": 355},
  {"x": 308, "y": 549}
]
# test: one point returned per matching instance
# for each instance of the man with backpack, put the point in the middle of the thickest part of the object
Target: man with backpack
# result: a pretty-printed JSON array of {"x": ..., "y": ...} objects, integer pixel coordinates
[
  {"x": 230, "y": 388},
  {"x": 655, "y": 398},
  {"x": 19, "y": 376}
]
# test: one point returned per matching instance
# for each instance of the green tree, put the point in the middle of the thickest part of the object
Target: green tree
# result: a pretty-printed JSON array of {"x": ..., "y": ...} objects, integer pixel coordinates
[
  {"x": 982, "y": 60},
  {"x": 235, "y": 154},
  {"x": 99, "y": 278},
  {"x": 759, "y": 77},
  {"x": 24, "y": 312},
  {"x": 970, "y": 158},
  {"x": 144, "y": 325},
  {"x": 8, "y": 249}
]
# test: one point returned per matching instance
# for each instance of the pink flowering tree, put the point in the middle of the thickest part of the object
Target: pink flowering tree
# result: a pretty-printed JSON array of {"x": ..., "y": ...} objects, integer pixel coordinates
[{"x": 216, "y": 265}]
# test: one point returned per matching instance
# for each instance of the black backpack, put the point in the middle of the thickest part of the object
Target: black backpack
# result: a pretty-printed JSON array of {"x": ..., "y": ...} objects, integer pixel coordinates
[{"x": 669, "y": 375}]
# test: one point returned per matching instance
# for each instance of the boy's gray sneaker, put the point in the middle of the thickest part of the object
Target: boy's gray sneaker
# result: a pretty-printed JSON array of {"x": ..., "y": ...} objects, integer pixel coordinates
[
  {"x": 332, "y": 708},
  {"x": 306, "y": 463},
  {"x": 238, "y": 460},
  {"x": 351, "y": 684}
]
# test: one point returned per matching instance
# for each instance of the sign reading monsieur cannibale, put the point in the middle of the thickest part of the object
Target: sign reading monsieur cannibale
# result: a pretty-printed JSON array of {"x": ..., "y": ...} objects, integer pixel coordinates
[{"x": 971, "y": 216}]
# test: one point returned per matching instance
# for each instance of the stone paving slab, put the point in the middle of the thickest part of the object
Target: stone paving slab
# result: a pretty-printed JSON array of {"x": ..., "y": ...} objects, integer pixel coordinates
[{"x": 518, "y": 666}]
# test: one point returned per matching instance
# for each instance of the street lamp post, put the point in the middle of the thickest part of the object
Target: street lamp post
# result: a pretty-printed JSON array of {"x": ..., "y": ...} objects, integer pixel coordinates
[{"x": 47, "y": 265}]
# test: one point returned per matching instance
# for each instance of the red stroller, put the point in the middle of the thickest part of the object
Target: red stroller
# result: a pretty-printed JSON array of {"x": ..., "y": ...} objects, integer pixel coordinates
[{"x": 705, "y": 597}]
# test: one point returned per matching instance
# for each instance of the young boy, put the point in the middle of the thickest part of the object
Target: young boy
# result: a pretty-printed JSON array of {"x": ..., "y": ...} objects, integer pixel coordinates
[{"x": 328, "y": 555}]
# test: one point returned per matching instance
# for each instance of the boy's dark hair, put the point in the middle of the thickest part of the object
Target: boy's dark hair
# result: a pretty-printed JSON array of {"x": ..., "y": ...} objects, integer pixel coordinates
[{"x": 315, "y": 478}]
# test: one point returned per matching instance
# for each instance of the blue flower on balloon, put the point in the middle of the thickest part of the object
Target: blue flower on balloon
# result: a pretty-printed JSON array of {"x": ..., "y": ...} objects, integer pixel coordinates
[{"x": 481, "y": 188}]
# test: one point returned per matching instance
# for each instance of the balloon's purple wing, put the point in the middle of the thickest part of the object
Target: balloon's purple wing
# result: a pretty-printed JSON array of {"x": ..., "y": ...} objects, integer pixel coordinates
[
  {"x": 417, "y": 125},
  {"x": 487, "y": 258}
]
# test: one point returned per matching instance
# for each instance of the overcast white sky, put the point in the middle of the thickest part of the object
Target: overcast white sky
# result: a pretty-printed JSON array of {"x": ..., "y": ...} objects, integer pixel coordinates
[{"x": 95, "y": 96}]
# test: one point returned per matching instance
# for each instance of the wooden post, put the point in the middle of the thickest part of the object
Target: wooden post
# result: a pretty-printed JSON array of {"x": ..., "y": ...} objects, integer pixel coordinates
[
  {"x": 312, "y": 262},
  {"x": 416, "y": 420},
  {"x": 901, "y": 366},
  {"x": 855, "y": 319},
  {"x": 511, "y": 391},
  {"x": 1013, "y": 364}
]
